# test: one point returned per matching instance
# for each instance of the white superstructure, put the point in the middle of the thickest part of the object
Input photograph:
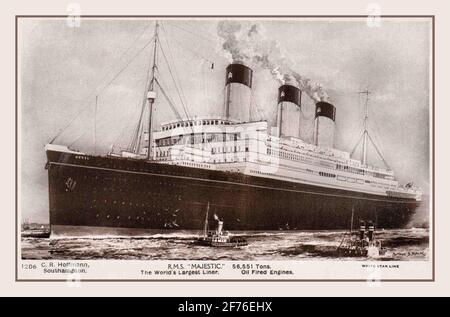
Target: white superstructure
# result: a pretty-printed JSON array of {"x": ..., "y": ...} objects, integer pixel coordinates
[{"x": 248, "y": 148}]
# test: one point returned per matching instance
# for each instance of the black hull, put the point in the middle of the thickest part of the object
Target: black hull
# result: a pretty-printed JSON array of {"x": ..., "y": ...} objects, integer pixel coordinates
[{"x": 124, "y": 193}]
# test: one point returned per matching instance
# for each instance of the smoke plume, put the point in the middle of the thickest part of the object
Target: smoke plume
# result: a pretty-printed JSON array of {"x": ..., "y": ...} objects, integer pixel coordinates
[{"x": 246, "y": 42}]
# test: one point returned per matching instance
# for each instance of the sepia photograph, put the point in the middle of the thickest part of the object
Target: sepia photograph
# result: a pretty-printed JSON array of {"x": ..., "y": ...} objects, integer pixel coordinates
[{"x": 300, "y": 139}]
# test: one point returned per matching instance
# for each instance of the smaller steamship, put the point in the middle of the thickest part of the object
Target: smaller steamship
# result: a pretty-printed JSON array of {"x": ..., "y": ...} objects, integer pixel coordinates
[
  {"x": 219, "y": 238},
  {"x": 256, "y": 177}
]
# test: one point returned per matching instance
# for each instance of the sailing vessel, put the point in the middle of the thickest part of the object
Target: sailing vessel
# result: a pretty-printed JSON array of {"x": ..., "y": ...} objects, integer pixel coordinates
[{"x": 256, "y": 177}]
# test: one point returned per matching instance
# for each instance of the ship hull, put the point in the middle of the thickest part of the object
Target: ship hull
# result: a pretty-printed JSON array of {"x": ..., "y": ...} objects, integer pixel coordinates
[{"x": 109, "y": 192}]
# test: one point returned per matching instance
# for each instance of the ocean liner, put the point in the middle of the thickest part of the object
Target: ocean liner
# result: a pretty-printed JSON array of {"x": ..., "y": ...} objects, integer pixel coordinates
[{"x": 254, "y": 176}]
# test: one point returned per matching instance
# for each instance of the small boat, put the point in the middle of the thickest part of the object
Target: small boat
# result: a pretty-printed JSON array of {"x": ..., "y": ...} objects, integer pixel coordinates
[
  {"x": 26, "y": 225},
  {"x": 362, "y": 243},
  {"x": 219, "y": 237}
]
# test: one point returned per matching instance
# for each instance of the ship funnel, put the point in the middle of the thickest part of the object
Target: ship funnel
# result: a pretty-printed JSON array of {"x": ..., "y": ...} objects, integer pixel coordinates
[
  {"x": 324, "y": 124},
  {"x": 289, "y": 115},
  {"x": 362, "y": 229},
  {"x": 370, "y": 230},
  {"x": 238, "y": 85}
]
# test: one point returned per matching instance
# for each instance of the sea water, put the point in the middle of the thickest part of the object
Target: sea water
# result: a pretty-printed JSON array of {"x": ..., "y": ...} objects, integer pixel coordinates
[{"x": 400, "y": 244}]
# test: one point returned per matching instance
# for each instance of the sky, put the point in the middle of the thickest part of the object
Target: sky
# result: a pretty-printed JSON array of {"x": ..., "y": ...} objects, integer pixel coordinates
[{"x": 63, "y": 68}]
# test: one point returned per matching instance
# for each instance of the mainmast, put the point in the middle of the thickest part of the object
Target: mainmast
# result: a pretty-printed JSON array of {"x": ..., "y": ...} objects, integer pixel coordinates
[
  {"x": 151, "y": 94},
  {"x": 366, "y": 126},
  {"x": 366, "y": 137}
]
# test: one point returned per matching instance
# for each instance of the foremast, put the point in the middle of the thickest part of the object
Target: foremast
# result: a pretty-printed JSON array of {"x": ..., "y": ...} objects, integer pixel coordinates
[{"x": 151, "y": 94}]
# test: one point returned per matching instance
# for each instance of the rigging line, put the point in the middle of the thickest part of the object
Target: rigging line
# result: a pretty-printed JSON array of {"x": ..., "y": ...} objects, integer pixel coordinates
[
  {"x": 126, "y": 127},
  {"x": 376, "y": 131},
  {"x": 193, "y": 33},
  {"x": 207, "y": 33},
  {"x": 192, "y": 51},
  {"x": 162, "y": 82},
  {"x": 136, "y": 131},
  {"x": 172, "y": 106},
  {"x": 377, "y": 141},
  {"x": 140, "y": 131},
  {"x": 70, "y": 123},
  {"x": 166, "y": 35},
  {"x": 140, "y": 128},
  {"x": 99, "y": 92},
  {"x": 116, "y": 140},
  {"x": 102, "y": 79},
  {"x": 77, "y": 139},
  {"x": 134, "y": 135},
  {"x": 176, "y": 87},
  {"x": 149, "y": 83},
  {"x": 136, "y": 140},
  {"x": 379, "y": 153},
  {"x": 357, "y": 143},
  {"x": 127, "y": 64},
  {"x": 132, "y": 142},
  {"x": 124, "y": 53},
  {"x": 354, "y": 137},
  {"x": 140, "y": 125},
  {"x": 176, "y": 77},
  {"x": 120, "y": 100},
  {"x": 360, "y": 128}
]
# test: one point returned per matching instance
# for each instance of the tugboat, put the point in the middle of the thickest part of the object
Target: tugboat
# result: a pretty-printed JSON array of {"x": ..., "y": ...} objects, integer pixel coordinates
[
  {"x": 218, "y": 238},
  {"x": 26, "y": 225},
  {"x": 362, "y": 243}
]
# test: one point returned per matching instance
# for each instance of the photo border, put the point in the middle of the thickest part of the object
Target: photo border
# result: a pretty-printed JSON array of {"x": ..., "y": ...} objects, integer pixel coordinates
[{"x": 432, "y": 158}]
